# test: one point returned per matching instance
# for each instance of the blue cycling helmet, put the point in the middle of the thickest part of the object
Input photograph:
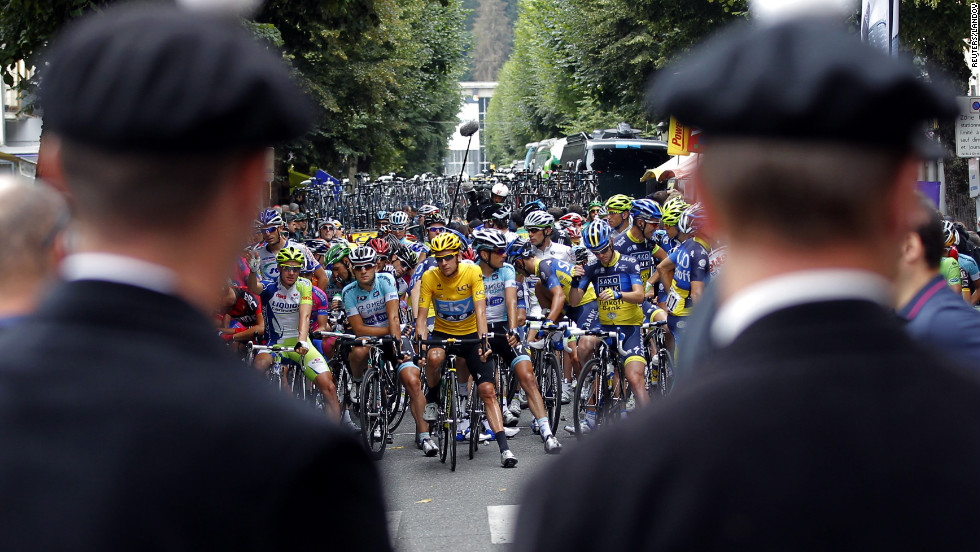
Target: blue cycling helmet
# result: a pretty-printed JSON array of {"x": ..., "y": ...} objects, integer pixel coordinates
[
  {"x": 692, "y": 219},
  {"x": 597, "y": 236},
  {"x": 520, "y": 248},
  {"x": 270, "y": 217},
  {"x": 646, "y": 209},
  {"x": 459, "y": 235},
  {"x": 382, "y": 215}
]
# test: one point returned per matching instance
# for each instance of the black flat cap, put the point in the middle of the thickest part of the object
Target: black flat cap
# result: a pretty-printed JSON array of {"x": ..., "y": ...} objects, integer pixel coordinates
[
  {"x": 801, "y": 80},
  {"x": 154, "y": 79}
]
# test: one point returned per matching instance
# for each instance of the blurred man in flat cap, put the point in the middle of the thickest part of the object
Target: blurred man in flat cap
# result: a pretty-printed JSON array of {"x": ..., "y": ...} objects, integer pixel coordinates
[
  {"x": 817, "y": 424},
  {"x": 124, "y": 424}
]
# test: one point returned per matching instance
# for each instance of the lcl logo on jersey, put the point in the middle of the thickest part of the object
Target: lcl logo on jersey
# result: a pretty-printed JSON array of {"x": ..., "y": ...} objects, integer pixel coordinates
[{"x": 463, "y": 288}]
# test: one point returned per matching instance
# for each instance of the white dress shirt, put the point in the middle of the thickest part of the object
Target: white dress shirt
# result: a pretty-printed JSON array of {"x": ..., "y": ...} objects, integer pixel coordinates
[{"x": 795, "y": 288}]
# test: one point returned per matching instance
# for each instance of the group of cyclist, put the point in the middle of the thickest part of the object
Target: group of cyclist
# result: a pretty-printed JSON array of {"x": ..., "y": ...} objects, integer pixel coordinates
[
  {"x": 604, "y": 269},
  {"x": 608, "y": 267}
]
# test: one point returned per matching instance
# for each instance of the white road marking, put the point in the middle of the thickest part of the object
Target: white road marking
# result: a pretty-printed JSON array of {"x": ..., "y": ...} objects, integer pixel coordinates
[{"x": 502, "y": 520}]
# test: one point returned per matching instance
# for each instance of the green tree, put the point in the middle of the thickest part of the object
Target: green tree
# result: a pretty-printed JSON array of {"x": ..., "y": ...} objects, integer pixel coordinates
[{"x": 493, "y": 35}]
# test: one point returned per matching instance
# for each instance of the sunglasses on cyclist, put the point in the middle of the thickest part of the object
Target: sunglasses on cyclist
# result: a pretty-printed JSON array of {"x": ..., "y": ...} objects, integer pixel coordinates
[
  {"x": 363, "y": 268},
  {"x": 270, "y": 230},
  {"x": 437, "y": 229},
  {"x": 289, "y": 269}
]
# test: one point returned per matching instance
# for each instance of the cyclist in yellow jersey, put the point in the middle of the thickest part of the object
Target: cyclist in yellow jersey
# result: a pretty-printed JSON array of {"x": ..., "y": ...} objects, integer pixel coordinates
[{"x": 456, "y": 290}]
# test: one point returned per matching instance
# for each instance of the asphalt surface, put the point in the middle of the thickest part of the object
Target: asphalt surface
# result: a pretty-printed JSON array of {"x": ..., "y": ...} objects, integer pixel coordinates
[{"x": 475, "y": 508}]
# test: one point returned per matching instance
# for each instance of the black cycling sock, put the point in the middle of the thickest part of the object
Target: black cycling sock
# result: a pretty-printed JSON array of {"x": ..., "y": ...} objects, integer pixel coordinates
[
  {"x": 431, "y": 394},
  {"x": 501, "y": 437}
]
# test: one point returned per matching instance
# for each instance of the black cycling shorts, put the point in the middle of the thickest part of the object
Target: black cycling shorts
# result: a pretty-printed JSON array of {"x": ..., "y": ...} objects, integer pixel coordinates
[
  {"x": 469, "y": 352},
  {"x": 500, "y": 346}
]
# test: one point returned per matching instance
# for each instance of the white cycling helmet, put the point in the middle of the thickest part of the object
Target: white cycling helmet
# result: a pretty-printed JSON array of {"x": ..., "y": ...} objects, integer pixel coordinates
[
  {"x": 488, "y": 239},
  {"x": 500, "y": 189},
  {"x": 363, "y": 256},
  {"x": 398, "y": 220},
  {"x": 539, "y": 219}
]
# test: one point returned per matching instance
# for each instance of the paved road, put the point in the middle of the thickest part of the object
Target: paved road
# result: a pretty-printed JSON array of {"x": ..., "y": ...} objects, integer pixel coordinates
[{"x": 474, "y": 508}]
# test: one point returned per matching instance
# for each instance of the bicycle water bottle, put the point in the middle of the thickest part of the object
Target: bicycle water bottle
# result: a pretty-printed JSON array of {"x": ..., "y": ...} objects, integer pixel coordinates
[{"x": 610, "y": 372}]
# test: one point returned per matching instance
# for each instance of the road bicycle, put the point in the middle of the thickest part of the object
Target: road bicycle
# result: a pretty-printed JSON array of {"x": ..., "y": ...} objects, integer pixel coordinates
[
  {"x": 450, "y": 408},
  {"x": 659, "y": 373},
  {"x": 602, "y": 391}
]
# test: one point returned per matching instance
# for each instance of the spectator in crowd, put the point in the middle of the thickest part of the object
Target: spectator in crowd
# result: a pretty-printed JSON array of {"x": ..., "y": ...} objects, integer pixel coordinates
[
  {"x": 818, "y": 423},
  {"x": 32, "y": 220},
  {"x": 936, "y": 316},
  {"x": 123, "y": 419}
]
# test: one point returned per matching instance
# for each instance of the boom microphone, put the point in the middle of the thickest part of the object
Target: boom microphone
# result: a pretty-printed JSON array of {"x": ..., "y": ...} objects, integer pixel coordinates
[{"x": 469, "y": 128}]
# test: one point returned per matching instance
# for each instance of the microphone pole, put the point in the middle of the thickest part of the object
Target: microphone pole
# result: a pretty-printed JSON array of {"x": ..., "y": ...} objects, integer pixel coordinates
[{"x": 468, "y": 129}]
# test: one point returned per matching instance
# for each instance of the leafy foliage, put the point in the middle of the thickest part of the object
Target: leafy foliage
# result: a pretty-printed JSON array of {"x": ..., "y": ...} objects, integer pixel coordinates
[
  {"x": 578, "y": 65},
  {"x": 383, "y": 73}
]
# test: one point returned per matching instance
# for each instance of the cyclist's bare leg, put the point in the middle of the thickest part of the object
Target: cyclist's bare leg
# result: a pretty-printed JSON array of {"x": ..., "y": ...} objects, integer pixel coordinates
[
  {"x": 324, "y": 382},
  {"x": 410, "y": 377},
  {"x": 492, "y": 408},
  {"x": 525, "y": 375},
  {"x": 358, "y": 361},
  {"x": 634, "y": 374},
  {"x": 433, "y": 365},
  {"x": 262, "y": 362}
]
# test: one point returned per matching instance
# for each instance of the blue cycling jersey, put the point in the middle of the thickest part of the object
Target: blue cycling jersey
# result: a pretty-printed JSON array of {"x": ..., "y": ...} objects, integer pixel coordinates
[
  {"x": 643, "y": 250},
  {"x": 371, "y": 305},
  {"x": 692, "y": 265},
  {"x": 620, "y": 275}
]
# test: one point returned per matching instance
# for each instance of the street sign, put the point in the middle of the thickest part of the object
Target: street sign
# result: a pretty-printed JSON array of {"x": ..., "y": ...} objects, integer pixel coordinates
[{"x": 968, "y": 127}]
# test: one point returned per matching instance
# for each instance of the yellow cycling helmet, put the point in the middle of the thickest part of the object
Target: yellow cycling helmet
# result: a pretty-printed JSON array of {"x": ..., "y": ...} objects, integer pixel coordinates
[
  {"x": 672, "y": 211},
  {"x": 446, "y": 243},
  {"x": 290, "y": 254},
  {"x": 619, "y": 202}
]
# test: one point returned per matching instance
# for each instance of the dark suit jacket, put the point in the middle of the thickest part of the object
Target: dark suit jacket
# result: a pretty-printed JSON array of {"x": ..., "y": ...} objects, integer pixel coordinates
[
  {"x": 124, "y": 425},
  {"x": 822, "y": 427}
]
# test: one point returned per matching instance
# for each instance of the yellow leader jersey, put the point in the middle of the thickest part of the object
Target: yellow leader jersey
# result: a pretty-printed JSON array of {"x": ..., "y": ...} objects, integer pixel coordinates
[{"x": 454, "y": 298}]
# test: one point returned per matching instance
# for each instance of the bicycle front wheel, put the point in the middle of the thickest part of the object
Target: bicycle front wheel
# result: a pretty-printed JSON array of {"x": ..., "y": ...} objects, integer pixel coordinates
[
  {"x": 665, "y": 366},
  {"x": 397, "y": 403},
  {"x": 587, "y": 403},
  {"x": 452, "y": 416},
  {"x": 475, "y": 426},
  {"x": 374, "y": 414},
  {"x": 549, "y": 383}
]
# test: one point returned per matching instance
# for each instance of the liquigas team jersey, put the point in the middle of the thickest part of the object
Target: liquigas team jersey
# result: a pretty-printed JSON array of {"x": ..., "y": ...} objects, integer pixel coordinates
[
  {"x": 454, "y": 298},
  {"x": 269, "y": 269},
  {"x": 494, "y": 286},
  {"x": 692, "y": 265},
  {"x": 620, "y": 275},
  {"x": 280, "y": 306},
  {"x": 557, "y": 273},
  {"x": 370, "y": 304},
  {"x": 643, "y": 250}
]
